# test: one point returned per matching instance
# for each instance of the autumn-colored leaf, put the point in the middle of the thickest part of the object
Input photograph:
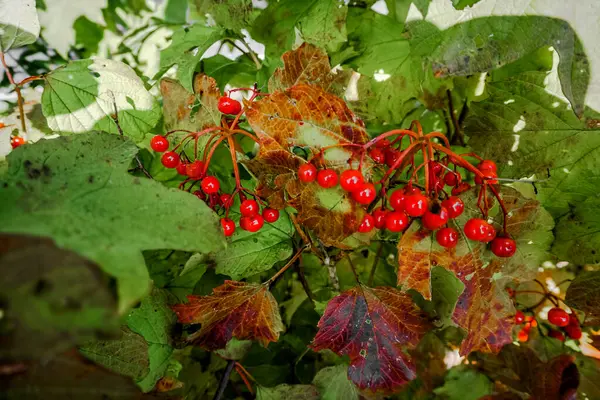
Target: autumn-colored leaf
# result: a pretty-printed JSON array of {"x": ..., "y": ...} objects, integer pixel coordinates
[
  {"x": 190, "y": 111},
  {"x": 371, "y": 325},
  {"x": 235, "y": 309},
  {"x": 307, "y": 64}
]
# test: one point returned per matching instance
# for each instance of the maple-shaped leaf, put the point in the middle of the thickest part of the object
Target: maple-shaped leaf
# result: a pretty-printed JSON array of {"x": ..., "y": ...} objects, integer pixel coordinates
[
  {"x": 371, "y": 325},
  {"x": 307, "y": 64},
  {"x": 235, "y": 309},
  {"x": 190, "y": 111}
]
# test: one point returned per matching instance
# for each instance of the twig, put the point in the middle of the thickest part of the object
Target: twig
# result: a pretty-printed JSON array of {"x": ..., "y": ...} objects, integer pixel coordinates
[
  {"x": 248, "y": 53},
  {"x": 457, "y": 132},
  {"x": 286, "y": 266},
  {"x": 304, "y": 282},
  {"x": 352, "y": 268},
  {"x": 377, "y": 255},
  {"x": 17, "y": 90},
  {"x": 224, "y": 380},
  {"x": 463, "y": 114}
]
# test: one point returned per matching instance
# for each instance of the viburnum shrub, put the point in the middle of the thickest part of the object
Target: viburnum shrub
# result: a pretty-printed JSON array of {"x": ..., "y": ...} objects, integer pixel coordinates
[{"x": 387, "y": 210}]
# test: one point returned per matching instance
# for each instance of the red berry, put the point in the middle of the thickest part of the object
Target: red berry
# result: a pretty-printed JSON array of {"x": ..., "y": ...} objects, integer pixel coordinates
[
  {"x": 228, "y": 226},
  {"x": 477, "y": 229},
  {"x": 573, "y": 320},
  {"x": 270, "y": 215},
  {"x": 225, "y": 199},
  {"x": 307, "y": 173},
  {"x": 159, "y": 143},
  {"x": 210, "y": 185},
  {"x": 415, "y": 205},
  {"x": 252, "y": 224},
  {"x": 460, "y": 188},
  {"x": 227, "y": 105},
  {"x": 488, "y": 174},
  {"x": 351, "y": 179},
  {"x": 365, "y": 194},
  {"x": 487, "y": 165},
  {"x": 379, "y": 215},
  {"x": 436, "y": 168},
  {"x": 491, "y": 235},
  {"x": 558, "y": 316},
  {"x": 181, "y": 168},
  {"x": 450, "y": 179},
  {"x": 519, "y": 317},
  {"x": 454, "y": 205},
  {"x": 249, "y": 208},
  {"x": 573, "y": 331},
  {"x": 195, "y": 170},
  {"x": 170, "y": 159},
  {"x": 367, "y": 224},
  {"x": 396, "y": 221},
  {"x": 556, "y": 335},
  {"x": 383, "y": 143},
  {"x": 504, "y": 247},
  {"x": 327, "y": 178},
  {"x": 436, "y": 218},
  {"x": 200, "y": 194},
  {"x": 391, "y": 155},
  {"x": 397, "y": 200},
  {"x": 523, "y": 335},
  {"x": 447, "y": 237},
  {"x": 17, "y": 141},
  {"x": 377, "y": 155}
]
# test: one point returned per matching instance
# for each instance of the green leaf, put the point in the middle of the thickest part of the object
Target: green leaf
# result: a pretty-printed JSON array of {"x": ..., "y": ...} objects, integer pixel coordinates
[
  {"x": 126, "y": 356},
  {"x": 445, "y": 290},
  {"x": 154, "y": 320},
  {"x": 589, "y": 377},
  {"x": 236, "y": 349},
  {"x": 176, "y": 271},
  {"x": 176, "y": 11},
  {"x": 52, "y": 299},
  {"x": 285, "y": 391},
  {"x": 488, "y": 43},
  {"x": 333, "y": 384},
  {"x": 250, "y": 253},
  {"x": 187, "y": 46},
  {"x": 398, "y": 9},
  {"x": 240, "y": 72},
  {"x": 578, "y": 234},
  {"x": 88, "y": 35},
  {"x": 584, "y": 294},
  {"x": 19, "y": 24},
  {"x": 460, "y": 378},
  {"x": 77, "y": 190},
  {"x": 322, "y": 23},
  {"x": 83, "y": 95},
  {"x": 230, "y": 14},
  {"x": 462, "y": 4}
]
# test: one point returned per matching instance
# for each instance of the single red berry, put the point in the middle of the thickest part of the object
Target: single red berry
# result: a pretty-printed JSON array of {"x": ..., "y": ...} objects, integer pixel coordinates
[
  {"x": 170, "y": 159},
  {"x": 436, "y": 168},
  {"x": 210, "y": 184},
  {"x": 382, "y": 144},
  {"x": 244, "y": 223},
  {"x": 556, "y": 335},
  {"x": 307, "y": 173},
  {"x": 254, "y": 224},
  {"x": 200, "y": 194},
  {"x": 504, "y": 247},
  {"x": 227, "y": 105},
  {"x": 367, "y": 224},
  {"x": 491, "y": 235},
  {"x": 519, "y": 317},
  {"x": 159, "y": 143},
  {"x": 487, "y": 165},
  {"x": 437, "y": 183},
  {"x": 573, "y": 331},
  {"x": 451, "y": 178},
  {"x": 365, "y": 194},
  {"x": 397, "y": 200},
  {"x": 351, "y": 179},
  {"x": 195, "y": 170},
  {"x": 249, "y": 208},
  {"x": 377, "y": 155},
  {"x": 477, "y": 229},
  {"x": 489, "y": 176},
  {"x": 460, "y": 188},
  {"x": 327, "y": 178},
  {"x": 573, "y": 320},
  {"x": 415, "y": 205},
  {"x": 379, "y": 215},
  {"x": 558, "y": 316},
  {"x": 454, "y": 205},
  {"x": 523, "y": 335},
  {"x": 270, "y": 215},
  {"x": 447, "y": 237},
  {"x": 396, "y": 221},
  {"x": 17, "y": 141},
  {"x": 225, "y": 199},
  {"x": 181, "y": 168},
  {"x": 435, "y": 218},
  {"x": 391, "y": 155},
  {"x": 228, "y": 226}
]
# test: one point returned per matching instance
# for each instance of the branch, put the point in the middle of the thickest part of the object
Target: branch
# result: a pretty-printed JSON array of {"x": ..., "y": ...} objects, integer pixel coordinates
[
  {"x": 457, "y": 132},
  {"x": 224, "y": 380},
  {"x": 17, "y": 90}
]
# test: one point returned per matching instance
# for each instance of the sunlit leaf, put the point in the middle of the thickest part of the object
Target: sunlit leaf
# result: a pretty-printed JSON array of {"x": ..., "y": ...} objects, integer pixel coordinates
[{"x": 19, "y": 23}]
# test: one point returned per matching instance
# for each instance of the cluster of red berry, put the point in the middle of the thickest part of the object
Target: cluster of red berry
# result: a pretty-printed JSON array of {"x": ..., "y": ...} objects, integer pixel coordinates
[
  {"x": 251, "y": 220},
  {"x": 16, "y": 141},
  {"x": 557, "y": 317},
  {"x": 528, "y": 322}
]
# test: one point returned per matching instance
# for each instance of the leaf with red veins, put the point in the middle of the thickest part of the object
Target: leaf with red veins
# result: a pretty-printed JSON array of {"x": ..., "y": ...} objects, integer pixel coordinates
[
  {"x": 307, "y": 116},
  {"x": 191, "y": 111},
  {"x": 235, "y": 309},
  {"x": 308, "y": 64},
  {"x": 371, "y": 325}
]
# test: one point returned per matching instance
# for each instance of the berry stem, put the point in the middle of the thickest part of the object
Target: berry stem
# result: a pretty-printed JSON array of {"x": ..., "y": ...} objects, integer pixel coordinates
[
  {"x": 236, "y": 170},
  {"x": 388, "y": 134},
  {"x": 17, "y": 90}
]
